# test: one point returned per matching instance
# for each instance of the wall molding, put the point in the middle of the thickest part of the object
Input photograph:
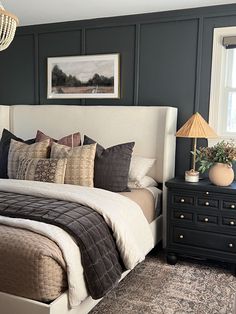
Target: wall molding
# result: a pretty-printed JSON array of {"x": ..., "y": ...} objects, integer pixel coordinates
[
  {"x": 198, "y": 65},
  {"x": 137, "y": 64},
  {"x": 137, "y": 20},
  {"x": 188, "y": 89}
]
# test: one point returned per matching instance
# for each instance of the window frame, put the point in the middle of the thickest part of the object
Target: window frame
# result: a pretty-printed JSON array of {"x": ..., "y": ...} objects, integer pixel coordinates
[{"x": 217, "y": 114}]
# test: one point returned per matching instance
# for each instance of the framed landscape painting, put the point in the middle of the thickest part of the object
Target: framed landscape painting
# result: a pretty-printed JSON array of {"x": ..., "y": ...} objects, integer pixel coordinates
[{"x": 94, "y": 76}]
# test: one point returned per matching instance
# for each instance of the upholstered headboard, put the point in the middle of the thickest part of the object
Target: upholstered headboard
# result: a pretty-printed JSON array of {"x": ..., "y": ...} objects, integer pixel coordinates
[{"x": 152, "y": 128}]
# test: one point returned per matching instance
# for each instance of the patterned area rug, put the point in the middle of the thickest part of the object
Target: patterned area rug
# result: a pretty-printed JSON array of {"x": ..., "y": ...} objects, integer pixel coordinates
[{"x": 191, "y": 287}]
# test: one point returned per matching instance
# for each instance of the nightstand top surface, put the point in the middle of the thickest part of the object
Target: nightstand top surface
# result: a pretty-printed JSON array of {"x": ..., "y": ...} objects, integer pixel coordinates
[{"x": 203, "y": 184}]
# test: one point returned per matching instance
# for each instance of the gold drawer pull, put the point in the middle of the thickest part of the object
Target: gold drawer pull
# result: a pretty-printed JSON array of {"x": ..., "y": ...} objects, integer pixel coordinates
[
  {"x": 206, "y": 219},
  {"x": 230, "y": 245},
  {"x": 207, "y": 203},
  {"x": 232, "y": 206},
  {"x": 182, "y": 216},
  {"x": 207, "y": 193},
  {"x": 181, "y": 236},
  {"x": 232, "y": 223},
  {"x": 182, "y": 200}
]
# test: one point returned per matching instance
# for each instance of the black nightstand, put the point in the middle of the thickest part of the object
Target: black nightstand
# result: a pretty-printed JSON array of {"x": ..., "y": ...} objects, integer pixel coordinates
[{"x": 201, "y": 221}]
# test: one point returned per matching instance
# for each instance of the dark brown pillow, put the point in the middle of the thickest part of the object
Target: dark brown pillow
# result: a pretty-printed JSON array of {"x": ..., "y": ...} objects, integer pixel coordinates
[
  {"x": 111, "y": 168},
  {"x": 5, "y": 141},
  {"x": 71, "y": 140}
]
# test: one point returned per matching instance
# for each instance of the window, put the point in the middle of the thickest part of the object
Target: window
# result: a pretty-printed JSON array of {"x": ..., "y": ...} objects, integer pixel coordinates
[
  {"x": 222, "y": 115},
  {"x": 229, "y": 92}
]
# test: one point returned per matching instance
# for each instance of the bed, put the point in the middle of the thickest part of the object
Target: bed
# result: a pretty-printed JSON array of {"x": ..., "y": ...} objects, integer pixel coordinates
[{"x": 152, "y": 129}]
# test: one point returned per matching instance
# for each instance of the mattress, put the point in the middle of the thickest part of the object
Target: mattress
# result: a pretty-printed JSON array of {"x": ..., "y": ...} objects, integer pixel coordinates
[{"x": 32, "y": 266}]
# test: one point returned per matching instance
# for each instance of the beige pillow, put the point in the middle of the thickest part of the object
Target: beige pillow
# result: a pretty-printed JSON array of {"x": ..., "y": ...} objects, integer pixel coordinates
[
  {"x": 80, "y": 163},
  {"x": 46, "y": 170},
  {"x": 17, "y": 149}
]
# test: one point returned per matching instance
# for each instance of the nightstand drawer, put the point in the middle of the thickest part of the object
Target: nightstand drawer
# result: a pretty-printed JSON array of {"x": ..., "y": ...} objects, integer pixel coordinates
[
  {"x": 180, "y": 215},
  {"x": 229, "y": 205},
  {"x": 203, "y": 239},
  {"x": 182, "y": 199},
  {"x": 207, "y": 219},
  {"x": 205, "y": 202},
  {"x": 227, "y": 221}
]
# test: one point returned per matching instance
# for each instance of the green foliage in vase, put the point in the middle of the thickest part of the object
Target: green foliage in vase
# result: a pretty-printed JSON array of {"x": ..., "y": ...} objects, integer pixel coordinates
[{"x": 222, "y": 152}]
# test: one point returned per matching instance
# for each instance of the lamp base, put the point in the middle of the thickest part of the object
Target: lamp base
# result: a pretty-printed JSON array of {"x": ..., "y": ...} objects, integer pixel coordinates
[{"x": 191, "y": 176}]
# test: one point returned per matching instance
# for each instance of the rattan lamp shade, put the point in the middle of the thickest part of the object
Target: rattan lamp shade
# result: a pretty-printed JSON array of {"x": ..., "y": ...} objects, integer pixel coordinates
[
  {"x": 8, "y": 24},
  {"x": 196, "y": 127}
]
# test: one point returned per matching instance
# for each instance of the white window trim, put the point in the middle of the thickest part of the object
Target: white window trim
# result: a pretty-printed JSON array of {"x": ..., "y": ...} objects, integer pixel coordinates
[{"x": 217, "y": 75}]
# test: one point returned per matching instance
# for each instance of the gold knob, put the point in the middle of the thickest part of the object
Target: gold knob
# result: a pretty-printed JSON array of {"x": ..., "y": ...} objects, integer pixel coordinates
[
  {"x": 232, "y": 223},
  {"x": 182, "y": 200},
  {"x": 207, "y": 203},
  {"x": 231, "y": 245},
  {"x": 207, "y": 193},
  {"x": 232, "y": 206},
  {"x": 206, "y": 219},
  {"x": 182, "y": 216},
  {"x": 181, "y": 236}
]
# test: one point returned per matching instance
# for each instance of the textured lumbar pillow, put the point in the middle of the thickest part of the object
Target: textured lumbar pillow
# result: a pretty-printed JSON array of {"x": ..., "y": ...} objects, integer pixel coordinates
[
  {"x": 112, "y": 166},
  {"x": 18, "y": 149},
  {"x": 80, "y": 163},
  {"x": 71, "y": 140},
  {"x": 46, "y": 170}
]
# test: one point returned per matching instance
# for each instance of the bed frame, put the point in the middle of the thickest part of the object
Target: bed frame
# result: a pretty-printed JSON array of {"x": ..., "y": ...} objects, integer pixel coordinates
[{"x": 153, "y": 130}]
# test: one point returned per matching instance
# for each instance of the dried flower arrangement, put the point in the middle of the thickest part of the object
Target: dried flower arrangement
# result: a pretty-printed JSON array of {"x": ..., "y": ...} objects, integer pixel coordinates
[{"x": 222, "y": 152}]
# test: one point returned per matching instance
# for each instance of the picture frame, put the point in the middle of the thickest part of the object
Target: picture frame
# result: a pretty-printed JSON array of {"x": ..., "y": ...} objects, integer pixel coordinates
[{"x": 87, "y": 76}]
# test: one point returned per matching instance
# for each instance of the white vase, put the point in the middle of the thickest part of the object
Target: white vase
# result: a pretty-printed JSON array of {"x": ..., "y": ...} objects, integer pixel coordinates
[{"x": 221, "y": 174}]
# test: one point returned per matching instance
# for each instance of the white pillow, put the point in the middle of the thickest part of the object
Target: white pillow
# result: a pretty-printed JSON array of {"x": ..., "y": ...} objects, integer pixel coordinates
[
  {"x": 139, "y": 167},
  {"x": 145, "y": 182}
]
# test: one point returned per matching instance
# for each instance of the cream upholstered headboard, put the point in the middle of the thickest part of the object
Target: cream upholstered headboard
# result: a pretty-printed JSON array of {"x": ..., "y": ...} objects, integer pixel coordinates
[{"x": 151, "y": 128}]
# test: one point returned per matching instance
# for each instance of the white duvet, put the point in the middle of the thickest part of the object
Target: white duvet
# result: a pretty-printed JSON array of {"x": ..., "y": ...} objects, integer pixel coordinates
[{"x": 130, "y": 228}]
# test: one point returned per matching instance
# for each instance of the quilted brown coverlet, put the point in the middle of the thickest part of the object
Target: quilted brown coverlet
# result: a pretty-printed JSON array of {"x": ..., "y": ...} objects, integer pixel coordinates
[
  {"x": 31, "y": 265},
  {"x": 99, "y": 255}
]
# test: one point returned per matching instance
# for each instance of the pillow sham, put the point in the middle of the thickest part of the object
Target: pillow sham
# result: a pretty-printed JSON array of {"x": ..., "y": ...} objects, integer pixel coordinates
[
  {"x": 145, "y": 182},
  {"x": 80, "y": 163},
  {"x": 139, "y": 167},
  {"x": 19, "y": 149},
  {"x": 46, "y": 170},
  {"x": 71, "y": 140},
  {"x": 5, "y": 141},
  {"x": 111, "y": 167}
]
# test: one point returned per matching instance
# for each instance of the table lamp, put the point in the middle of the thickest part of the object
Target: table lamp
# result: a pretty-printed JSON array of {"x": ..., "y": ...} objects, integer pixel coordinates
[{"x": 195, "y": 127}]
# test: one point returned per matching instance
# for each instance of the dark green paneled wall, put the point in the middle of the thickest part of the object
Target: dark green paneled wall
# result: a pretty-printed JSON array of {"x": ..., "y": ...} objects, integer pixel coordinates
[
  {"x": 54, "y": 45},
  {"x": 165, "y": 60},
  {"x": 17, "y": 71},
  {"x": 111, "y": 40}
]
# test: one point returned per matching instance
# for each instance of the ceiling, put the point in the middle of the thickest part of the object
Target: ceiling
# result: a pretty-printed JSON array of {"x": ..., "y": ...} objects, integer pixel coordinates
[{"x": 32, "y": 12}]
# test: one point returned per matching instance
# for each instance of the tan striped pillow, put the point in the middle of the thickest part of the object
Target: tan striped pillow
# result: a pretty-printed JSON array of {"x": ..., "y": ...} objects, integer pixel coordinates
[
  {"x": 80, "y": 163},
  {"x": 45, "y": 170},
  {"x": 18, "y": 149}
]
